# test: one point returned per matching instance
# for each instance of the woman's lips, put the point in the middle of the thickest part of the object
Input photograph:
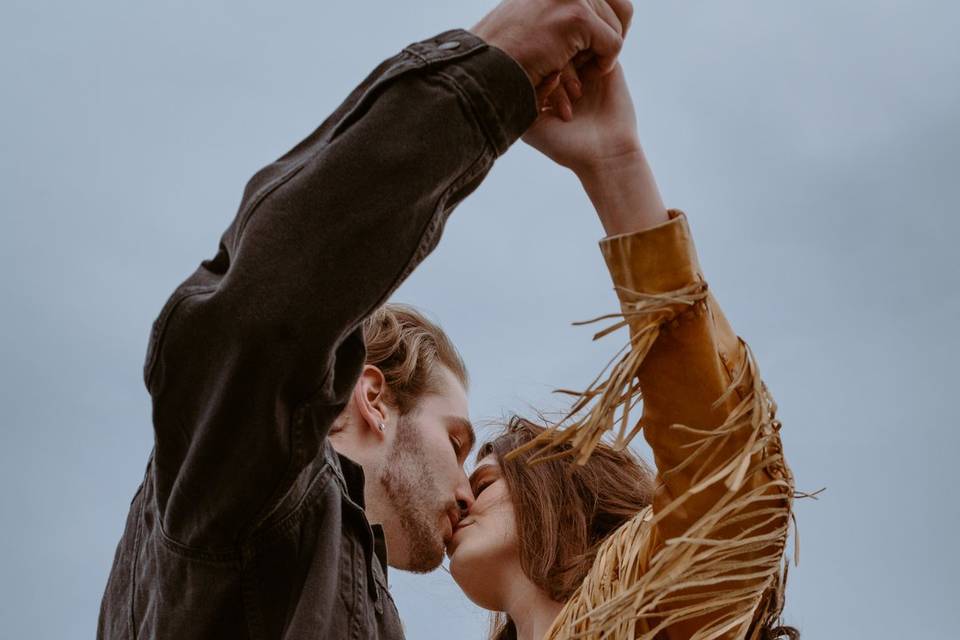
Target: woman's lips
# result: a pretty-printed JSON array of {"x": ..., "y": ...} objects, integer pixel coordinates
[{"x": 453, "y": 540}]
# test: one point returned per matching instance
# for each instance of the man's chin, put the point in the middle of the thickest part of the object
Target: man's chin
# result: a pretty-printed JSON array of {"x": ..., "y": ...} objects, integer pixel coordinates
[
  {"x": 426, "y": 564},
  {"x": 425, "y": 556}
]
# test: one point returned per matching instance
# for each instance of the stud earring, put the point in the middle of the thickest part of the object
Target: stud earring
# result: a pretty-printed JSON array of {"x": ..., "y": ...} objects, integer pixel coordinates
[{"x": 382, "y": 426}]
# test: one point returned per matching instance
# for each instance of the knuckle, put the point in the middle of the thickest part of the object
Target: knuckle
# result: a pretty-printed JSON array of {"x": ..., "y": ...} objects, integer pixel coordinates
[{"x": 578, "y": 14}]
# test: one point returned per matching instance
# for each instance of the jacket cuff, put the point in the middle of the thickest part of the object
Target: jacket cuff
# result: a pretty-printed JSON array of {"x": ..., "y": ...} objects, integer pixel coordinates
[
  {"x": 495, "y": 85},
  {"x": 655, "y": 260}
]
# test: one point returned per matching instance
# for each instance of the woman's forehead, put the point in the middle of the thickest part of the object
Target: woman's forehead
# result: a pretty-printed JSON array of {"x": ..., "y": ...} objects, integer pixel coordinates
[{"x": 488, "y": 462}]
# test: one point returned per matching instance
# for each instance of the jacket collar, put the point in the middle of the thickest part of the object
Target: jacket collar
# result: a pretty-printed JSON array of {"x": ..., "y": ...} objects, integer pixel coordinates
[{"x": 352, "y": 480}]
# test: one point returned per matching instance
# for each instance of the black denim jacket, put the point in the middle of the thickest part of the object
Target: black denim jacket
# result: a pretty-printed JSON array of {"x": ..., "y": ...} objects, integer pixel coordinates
[{"x": 248, "y": 524}]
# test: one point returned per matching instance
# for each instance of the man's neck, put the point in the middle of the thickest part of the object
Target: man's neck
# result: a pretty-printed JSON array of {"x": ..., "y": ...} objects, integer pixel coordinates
[{"x": 348, "y": 449}]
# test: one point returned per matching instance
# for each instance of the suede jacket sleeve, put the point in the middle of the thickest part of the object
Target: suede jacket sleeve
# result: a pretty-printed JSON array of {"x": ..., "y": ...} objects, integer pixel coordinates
[{"x": 705, "y": 561}]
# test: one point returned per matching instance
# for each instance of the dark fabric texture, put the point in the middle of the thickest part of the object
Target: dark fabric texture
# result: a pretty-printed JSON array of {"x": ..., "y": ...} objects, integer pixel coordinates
[{"x": 248, "y": 524}]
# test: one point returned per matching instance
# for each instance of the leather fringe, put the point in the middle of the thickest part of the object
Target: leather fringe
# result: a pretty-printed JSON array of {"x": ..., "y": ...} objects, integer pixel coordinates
[{"x": 726, "y": 587}]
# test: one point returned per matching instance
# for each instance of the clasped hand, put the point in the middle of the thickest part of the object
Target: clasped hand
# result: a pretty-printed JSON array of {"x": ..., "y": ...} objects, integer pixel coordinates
[{"x": 570, "y": 50}]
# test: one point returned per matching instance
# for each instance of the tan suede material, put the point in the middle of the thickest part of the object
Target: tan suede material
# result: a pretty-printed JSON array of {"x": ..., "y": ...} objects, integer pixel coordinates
[{"x": 706, "y": 560}]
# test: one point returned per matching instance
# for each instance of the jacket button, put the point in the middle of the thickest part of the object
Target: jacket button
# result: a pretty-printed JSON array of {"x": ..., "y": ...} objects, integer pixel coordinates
[{"x": 452, "y": 44}]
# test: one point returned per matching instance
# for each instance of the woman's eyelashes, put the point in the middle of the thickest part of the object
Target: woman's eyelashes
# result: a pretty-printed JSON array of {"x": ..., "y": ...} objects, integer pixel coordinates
[{"x": 483, "y": 484}]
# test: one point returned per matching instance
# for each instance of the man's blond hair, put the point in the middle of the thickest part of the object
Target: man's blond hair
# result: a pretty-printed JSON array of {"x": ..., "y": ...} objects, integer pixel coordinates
[{"x": 408, "y": 348}]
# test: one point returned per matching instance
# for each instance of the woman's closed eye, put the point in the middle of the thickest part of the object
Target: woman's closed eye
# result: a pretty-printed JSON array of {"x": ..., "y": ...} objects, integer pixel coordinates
[
  {"x": 482, "y": 477},
  {"x": 480, "y": 487}
]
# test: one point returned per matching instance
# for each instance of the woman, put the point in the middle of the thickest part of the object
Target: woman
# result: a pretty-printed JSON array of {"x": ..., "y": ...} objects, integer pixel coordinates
[{"x": 601, "y": 548}]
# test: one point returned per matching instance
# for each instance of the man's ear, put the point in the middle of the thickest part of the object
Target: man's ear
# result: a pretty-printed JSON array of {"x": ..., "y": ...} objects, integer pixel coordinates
[{"x": 370, "y": 397}]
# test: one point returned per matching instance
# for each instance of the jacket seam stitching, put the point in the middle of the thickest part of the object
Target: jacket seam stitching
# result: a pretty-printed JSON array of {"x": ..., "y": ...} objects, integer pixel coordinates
[
  {"x": 467, "y": 173},
  {"x": 292, "y": 470},
  {"x": 468, "y": 97},
  {"x": 159, "y": 333},
  {"x": 134, "y": 561},
  {"x": 335, "y": 131},
  {"x": 289, "y": 520}
]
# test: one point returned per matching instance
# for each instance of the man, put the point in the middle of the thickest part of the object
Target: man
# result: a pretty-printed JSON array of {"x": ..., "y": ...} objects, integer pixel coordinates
[{"x": 270, "y": 404}]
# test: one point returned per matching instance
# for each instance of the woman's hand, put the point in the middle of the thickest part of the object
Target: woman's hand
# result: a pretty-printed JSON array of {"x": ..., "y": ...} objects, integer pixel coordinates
[
  {"x": 597, "y": 138},
  {"x": 599, "y": 128}
]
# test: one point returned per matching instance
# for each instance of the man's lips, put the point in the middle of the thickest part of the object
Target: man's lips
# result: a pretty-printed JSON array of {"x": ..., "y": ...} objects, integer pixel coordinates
[{"x": 453, "y": 521}]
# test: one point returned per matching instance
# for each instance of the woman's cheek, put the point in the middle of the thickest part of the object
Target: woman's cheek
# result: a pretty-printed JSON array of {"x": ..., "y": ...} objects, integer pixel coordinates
[{"x": 501, "y": 525}]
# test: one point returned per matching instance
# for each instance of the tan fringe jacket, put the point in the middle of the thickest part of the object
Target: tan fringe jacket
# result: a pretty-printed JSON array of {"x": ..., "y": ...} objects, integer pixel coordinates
[{"x": 705, "y": 560}]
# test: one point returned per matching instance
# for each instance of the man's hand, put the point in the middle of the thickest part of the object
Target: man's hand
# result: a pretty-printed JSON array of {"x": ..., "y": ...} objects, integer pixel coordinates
[{"x": 544, "y": 36}]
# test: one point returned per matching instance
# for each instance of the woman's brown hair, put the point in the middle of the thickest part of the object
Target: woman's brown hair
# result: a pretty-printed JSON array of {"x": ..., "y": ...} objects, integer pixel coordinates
[{"x": 564, "y": 511}]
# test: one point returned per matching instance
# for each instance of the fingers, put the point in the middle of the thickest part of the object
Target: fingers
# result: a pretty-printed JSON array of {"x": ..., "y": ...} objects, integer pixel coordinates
[
  {"x": 559, "y": 91},
  {"x": 624, "y": 12},
  {"x": 570, "y": 92},
  {"x": 608, "y": 15},
  {"x": 546, "y": 88},
  {"x": 605, "y": 43},
  {"x": 561, "y": 104},
  {"x": 571, "y": 81},
  {"x": 567, "y": 89},
  {"x": 590, "y": 72},
  {"x": 581, "y": 59},
  {"x": 552, "y": 96},
  {"x": 608, "y": 33}
]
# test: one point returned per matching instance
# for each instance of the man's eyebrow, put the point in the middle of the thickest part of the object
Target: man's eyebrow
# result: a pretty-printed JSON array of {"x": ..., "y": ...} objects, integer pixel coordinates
[{"x": 464, "y": 425}]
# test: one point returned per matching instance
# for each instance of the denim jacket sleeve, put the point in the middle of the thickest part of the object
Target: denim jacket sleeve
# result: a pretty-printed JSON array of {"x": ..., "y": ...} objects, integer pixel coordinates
[
  {"x": 705, "y": 560},
  {"x": 254, "y": 355}
]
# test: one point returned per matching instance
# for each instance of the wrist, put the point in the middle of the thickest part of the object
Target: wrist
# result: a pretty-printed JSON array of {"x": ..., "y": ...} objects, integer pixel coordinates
[
  {"x": 489, "y": 35},
  {"x": 626, "y": 160},
  {"x": 623, "y": 192}
]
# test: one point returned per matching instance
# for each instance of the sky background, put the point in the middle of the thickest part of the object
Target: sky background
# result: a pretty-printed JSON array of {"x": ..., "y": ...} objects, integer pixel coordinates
[{"x": 815, "y": 147}]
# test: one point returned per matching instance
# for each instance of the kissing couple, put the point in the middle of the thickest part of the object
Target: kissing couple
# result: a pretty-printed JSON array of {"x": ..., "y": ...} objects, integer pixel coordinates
[{"x": 309, "y": 434}]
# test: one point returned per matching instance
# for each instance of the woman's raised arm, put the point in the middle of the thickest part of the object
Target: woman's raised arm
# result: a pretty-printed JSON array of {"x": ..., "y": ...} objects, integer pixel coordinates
[
  {"x": 705, "y": 561},
  {"x": 601, "y": 146}
]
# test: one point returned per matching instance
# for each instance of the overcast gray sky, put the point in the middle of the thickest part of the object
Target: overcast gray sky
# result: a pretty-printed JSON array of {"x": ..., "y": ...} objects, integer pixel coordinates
[{"x": 815, "y": 147}]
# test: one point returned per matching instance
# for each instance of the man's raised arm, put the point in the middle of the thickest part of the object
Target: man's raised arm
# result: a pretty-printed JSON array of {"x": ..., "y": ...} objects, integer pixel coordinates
[
  {"x": 254, "y": 355},
  {"x": 322, "y": 237}
]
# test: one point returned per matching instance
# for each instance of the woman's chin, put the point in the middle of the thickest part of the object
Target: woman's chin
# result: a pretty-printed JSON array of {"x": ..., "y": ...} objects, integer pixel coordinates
[
  {"x": 459, "y": 566},
  {"x": 474, "y": 578}
]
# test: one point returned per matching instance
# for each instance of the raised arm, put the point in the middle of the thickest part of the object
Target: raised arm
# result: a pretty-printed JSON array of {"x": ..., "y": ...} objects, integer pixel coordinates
[
  {"x": 705, "y": 561},
  {"x": 711, "y": 550},
  {"x": 254, "y": 355}
]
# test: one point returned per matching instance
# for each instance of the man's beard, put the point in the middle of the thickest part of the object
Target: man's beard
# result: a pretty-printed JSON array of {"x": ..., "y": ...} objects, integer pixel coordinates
[{"x": 415, "y": 498}]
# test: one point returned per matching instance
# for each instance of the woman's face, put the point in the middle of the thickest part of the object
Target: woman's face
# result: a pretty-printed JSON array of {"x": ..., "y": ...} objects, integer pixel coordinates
[{"x": 484, "y": 552}]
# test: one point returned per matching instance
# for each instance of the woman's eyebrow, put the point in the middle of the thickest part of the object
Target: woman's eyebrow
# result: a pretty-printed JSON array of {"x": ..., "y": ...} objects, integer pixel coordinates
[{"x": 476, "y": 472}]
